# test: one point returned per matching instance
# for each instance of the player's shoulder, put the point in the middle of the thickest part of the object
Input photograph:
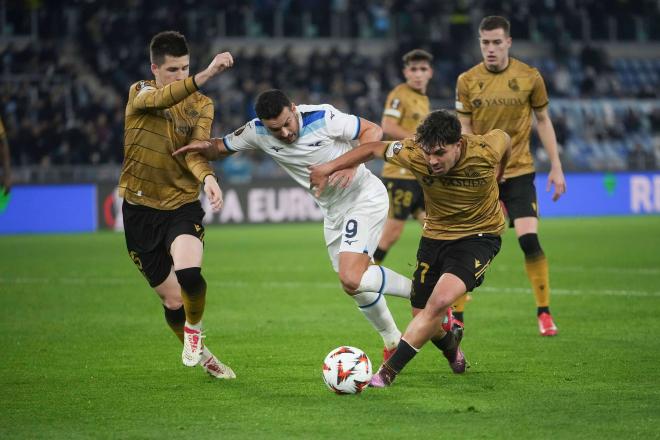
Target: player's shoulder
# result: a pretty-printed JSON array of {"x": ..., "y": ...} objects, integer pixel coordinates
[
  {"x": 472, "y": 72},
  {"x": 518, "y": 67},
  {"x": 400, "y": 90},
  {"x": 144, "y": 84}
]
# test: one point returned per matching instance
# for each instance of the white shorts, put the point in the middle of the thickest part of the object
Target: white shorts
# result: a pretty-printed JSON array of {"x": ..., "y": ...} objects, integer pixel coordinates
[{"x": 364, "y": 217}]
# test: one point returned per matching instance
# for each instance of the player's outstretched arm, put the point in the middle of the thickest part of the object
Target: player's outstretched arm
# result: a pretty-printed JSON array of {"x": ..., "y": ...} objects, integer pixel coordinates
[
  {"x": 319, "y": 174},
  {"x": 212, "y": 149},
  {"x": 547, "y": 135}
]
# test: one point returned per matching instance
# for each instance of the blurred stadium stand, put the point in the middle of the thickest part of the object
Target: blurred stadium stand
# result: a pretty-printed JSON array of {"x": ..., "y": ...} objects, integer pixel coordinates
[{"x": 67, "y": 65}]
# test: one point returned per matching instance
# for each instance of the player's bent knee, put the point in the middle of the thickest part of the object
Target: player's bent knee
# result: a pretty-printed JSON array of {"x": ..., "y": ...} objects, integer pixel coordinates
[
  {"x": 173, "y": 303},
  {"x": 191, "y": 280},
  {"x": 350, "y": 281},
  {"x": 529, "y": 243}
]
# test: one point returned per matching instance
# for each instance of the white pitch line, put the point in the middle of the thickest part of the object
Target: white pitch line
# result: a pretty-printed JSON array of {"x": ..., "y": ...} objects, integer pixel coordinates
[{"x": 304, "y": 285}]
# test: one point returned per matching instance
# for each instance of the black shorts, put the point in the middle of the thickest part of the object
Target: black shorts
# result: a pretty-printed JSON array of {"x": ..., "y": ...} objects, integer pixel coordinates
[
  {"x": 406, "y": 198},
  {"x": 467, "y": 258},
  {"x": 518, "y": 194},
  {"x": 150, "y": 232}
]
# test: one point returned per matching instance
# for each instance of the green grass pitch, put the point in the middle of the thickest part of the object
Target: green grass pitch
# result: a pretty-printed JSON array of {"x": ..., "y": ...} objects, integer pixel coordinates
[{"x": 86, "y": 352}]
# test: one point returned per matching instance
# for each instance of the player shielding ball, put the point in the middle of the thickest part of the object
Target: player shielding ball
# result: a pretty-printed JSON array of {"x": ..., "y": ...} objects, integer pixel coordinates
[{"x": 461, "y": 235}]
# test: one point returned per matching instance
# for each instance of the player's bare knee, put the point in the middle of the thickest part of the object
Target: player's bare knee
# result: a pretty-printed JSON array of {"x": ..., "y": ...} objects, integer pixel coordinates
[
  {"x": 173, "y": 303},
  {"x": 350, "y": 281}
]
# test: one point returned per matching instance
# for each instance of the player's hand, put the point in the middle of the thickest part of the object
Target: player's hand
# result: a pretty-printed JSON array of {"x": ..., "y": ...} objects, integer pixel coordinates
[
  {"x": 205, "y": 148},
  {"x": 318, "y": 178},
  {"x": 213, "y": 192},
  {"x": 220, "y": 63},
  {"x": 556, "y": 178},
  {"x": 342, "y": 178}
]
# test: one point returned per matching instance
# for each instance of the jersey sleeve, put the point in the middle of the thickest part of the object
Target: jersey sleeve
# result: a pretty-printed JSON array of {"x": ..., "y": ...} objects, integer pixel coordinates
[
  {"x": 197, "y": 163},
  {"x": 147, "y": 96},
  {"x": 341, "y": 125},
  {"x": 496, "y": 140},
  {"x": 394, "y": 106},
  {"x": 244, "y": 138},
  {"x": 463, "y": 104},
  {"x": 399, "y": 153},
  {"x": 539, "y": 96}
]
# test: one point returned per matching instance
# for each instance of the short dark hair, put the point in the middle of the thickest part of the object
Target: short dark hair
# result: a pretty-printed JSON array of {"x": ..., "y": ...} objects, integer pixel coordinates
[
  {"x": 493, "y": 22},
  {"x": 440, "y": 127},
  {"x": 170, "y": 43},
  {"x": 271, "y": 103},
  {"x": 417, "y": 55}
]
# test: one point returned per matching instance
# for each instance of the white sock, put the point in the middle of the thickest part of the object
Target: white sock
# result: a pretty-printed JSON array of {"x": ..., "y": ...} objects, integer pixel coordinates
[
  {"x": 383, "y": 280},
  {"x": 374, "y": 307},
  {"x": 197, "y": 326}
]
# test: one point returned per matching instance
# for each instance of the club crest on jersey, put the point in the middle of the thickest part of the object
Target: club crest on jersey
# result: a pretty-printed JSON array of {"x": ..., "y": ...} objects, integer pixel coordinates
[
  {"x": 191, "y": 112},
  {"x": 513, "y": 85},
  {"x": 393, "y": 149},
  {"x": 239, "y": 131},
  {"x": 476, "y": 103}
]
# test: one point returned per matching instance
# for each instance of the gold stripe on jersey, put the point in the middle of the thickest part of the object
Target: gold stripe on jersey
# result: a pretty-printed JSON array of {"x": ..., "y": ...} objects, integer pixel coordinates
[
  {"x": 504, "y": 100},
  {"x": 409, "y": 108},
  {"x": 465, "y": 201},
  {"x": 158, "y": 121}
]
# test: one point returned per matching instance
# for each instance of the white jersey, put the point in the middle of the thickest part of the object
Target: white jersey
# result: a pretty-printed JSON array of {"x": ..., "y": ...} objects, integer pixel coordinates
[{"x": 325, "y": 134}]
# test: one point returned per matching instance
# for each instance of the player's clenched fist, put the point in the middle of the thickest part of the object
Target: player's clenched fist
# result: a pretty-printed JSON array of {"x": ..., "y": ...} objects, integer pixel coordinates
[{"x": 221, "y": 62}]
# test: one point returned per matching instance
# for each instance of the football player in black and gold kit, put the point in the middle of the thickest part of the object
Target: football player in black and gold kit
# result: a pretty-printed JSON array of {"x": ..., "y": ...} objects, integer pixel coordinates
[
  {"x": 461, "y": 234},
  {"x": 161, "y": 209},
  {"x": 503, "y": 92},
  {"x": 405, "y": 108}
]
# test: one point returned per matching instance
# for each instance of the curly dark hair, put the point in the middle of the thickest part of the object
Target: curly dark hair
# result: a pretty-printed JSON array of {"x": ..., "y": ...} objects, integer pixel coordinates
[
  {"x": 271, "y": 103},
  {"x": 439, "y": 128},
  {"x": 170, "y": 43}
]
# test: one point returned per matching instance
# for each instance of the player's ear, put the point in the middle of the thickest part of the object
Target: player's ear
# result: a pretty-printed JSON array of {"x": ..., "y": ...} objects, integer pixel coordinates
[
  {"x": 293, "y": 106},
  {"x": 154, "y": 69}
]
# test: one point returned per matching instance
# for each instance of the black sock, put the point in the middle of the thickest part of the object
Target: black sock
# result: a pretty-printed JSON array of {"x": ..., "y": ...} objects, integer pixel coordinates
[
  {"x": 446, "y": 344},
  {"x": 379, "y": 255},
  {"x": 403, "y": 354},
  {"x": 459, "y": 316},
  {"x": 540, "y": 310},
  {"x": 176, "y": 320}
]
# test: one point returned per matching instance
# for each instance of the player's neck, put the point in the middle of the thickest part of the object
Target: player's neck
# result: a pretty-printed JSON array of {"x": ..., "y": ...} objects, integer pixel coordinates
[
  {"x": 421, "y": 92},
  {"x": 499, "y": 68}
]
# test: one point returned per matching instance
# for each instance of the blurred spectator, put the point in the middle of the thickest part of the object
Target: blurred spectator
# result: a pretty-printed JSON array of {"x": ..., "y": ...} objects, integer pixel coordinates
[{"x": 639, "y": 159}]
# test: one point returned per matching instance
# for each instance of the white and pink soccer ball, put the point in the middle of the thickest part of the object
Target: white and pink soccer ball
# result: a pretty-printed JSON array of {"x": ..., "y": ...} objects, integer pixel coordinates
[{"x": 347, "y": 370}]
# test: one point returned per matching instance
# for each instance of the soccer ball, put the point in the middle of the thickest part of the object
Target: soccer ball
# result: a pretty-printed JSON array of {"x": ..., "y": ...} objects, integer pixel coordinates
[{"x": 347, "y": 370}]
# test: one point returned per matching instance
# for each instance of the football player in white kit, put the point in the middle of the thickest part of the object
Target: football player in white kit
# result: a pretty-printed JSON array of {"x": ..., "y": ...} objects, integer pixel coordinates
[{"x": 354, "y": 207}]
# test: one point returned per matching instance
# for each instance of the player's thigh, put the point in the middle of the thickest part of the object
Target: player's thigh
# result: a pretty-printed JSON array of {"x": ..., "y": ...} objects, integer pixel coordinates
[
  {"x": 145, "y": 232},
  {"x": 185, "y": 236},
  {"x": 469, "y": 258},
  {"x": 169, "y": 292},
  {"x": 526, "y": 225},
  {"x": 391, "y": 231},
  {"x": 518, "y": 195},
  {"x": 428, "y": 270}
]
